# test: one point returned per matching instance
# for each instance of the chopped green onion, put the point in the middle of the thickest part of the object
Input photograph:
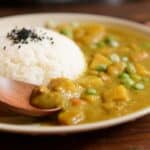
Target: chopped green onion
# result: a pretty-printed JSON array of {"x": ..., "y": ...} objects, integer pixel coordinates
[
  {"x": 126, "y": 80},
  {"x": 145, "y": 79},
  {"x": 139, "y": 86},
  {"x": 124, "y": 75},
  {"x": 114, "y": 58},
  {"x": 125, "y": 59},
  {"x": 136, "y": 77},
  {"x": 100, "y": 44},
  {"x": 101, "y": 67},
  {"x": 67, "y": 32},
  {"x": 112, "y": 42},
  {"x": 91, "y": 91},
  {"x": 130, "y": 68},
  {"x": 145, "y": 45}
]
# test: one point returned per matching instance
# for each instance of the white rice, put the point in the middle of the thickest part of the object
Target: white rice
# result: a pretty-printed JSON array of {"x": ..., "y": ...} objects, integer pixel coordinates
[{"x": 38, "y": 62}]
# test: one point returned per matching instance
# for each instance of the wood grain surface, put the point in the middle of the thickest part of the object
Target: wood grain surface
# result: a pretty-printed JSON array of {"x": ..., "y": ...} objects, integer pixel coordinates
[{"x": 130, "y": 136}]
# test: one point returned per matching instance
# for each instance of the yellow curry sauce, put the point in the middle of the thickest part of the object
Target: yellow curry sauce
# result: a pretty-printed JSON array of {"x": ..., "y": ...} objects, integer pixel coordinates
[{"x": 116, "y": 81}]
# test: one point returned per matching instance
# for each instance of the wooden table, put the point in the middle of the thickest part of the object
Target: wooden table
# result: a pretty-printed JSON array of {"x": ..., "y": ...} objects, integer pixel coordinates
[{"x": 131, "y": 136}]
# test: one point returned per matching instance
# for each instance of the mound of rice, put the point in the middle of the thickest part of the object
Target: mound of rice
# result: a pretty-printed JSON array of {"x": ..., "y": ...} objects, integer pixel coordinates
[{"x": 38, "y": 62}]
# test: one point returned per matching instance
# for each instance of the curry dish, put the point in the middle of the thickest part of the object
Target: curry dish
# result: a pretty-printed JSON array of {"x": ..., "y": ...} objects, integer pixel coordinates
[{"x": 116, "y": 81}]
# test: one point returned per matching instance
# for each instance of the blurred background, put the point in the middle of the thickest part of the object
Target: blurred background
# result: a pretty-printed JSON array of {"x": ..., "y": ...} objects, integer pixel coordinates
[
  {"x": 109, "y": 2},
  {"x": 137, "y": 10}
]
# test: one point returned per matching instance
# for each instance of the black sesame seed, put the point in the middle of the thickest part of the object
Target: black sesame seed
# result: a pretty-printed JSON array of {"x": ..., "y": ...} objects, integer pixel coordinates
[
  {"x": 19, "y": 46},
  {"x": 23, "y": 36},
  {"x": 51, "y": 38},
  {"x": 4, "y": 47},
  {"x": 52, "y": 42}
]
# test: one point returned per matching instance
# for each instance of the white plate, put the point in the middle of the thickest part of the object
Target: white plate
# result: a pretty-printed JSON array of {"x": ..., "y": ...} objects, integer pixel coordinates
[{"x": 11, "y": 123}]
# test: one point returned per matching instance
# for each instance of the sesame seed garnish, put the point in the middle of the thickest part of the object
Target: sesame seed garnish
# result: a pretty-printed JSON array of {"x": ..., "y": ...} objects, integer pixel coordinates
[
  {"x": 19, "y": 46},
  {"x": 24, "y": 36},
  {"x": 4, "y": 48},
  {"x": 52, "y": 42},
  {"x": 51, "y": 38}
]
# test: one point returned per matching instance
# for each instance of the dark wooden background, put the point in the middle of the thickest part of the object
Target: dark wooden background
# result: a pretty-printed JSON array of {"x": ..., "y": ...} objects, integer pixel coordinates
[{"x": 131, "y": 136}]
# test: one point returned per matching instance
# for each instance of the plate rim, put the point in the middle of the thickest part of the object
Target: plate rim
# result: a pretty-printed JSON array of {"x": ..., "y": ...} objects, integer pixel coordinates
[{"x": 42, "y": 129}]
